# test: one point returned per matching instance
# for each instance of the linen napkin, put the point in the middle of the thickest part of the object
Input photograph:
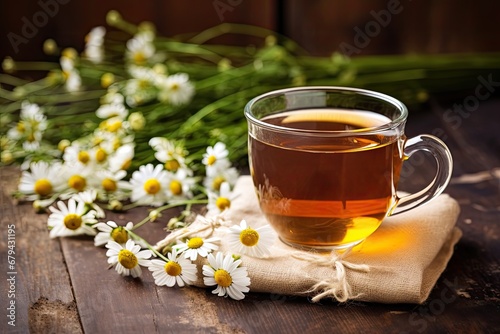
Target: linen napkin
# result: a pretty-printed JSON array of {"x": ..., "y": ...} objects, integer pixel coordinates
[{"x": 398, "y": 263}]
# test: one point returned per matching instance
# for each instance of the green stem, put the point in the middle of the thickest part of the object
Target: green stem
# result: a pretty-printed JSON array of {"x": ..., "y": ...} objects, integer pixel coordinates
[{"x": 148, "y": 245}]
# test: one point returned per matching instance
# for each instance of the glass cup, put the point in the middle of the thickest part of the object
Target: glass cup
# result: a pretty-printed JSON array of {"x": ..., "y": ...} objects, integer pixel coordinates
[{"x": 326, "y": 161}]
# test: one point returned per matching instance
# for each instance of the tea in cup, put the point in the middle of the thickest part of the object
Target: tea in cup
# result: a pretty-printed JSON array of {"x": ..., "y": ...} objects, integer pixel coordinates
[{"x": 326, "y": 161}]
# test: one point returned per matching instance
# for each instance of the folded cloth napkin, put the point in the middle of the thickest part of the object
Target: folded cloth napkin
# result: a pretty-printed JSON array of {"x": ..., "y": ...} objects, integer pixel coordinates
[{"x": 398, "y": 263}]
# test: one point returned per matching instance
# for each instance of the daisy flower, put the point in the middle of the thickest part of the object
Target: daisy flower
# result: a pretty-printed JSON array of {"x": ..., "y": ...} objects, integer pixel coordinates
[
  {"x": 222, "y": 173},
  {"x": 41, "y": 181},
  {"x": 94, "y": 44},
  {"x": 218, "y": 202},
  {"x": 109, "y": 184},
  {"x": 112, "y": 97},
  {"x": 77, "y": 179},
  {"x": 77, "y": 154},
  {"x": 176, "y": 89},
  {"x": 71, "y": 220},
  {"x": 197, "y": 246},
  {"x": 121, "y": 158},
  {"x": 129, "y": 259},
  {"x": 88, "y": 197},
  {"x": 171, "y": 153},
  {"x": 180, "y": 184},
  {"x": 140, "y": 48},
  {"x": 215, "y": 155},
  {"x": 231, "y": 280},
  {"x": 30, "y": 127},
  {"x": 112, "y": 110},
  {"x": 253, "y": 242},
  {"x": 111, "y": 231},
  {"x": 149, "y": 185},
  {"x": 73, "y": 80},
  {"x": 177, "y": 270}
]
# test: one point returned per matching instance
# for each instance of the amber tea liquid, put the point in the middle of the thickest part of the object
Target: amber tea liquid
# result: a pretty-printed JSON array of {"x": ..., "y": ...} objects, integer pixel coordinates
[{"x": 320, "y": 191}]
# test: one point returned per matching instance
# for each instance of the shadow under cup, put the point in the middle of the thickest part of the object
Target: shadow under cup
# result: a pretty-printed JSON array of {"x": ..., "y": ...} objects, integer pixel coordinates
[{"x": 325, "y": 163}]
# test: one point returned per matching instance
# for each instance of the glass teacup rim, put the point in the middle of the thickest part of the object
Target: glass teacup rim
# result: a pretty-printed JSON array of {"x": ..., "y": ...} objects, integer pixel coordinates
[{"x": 392, "y": 125}]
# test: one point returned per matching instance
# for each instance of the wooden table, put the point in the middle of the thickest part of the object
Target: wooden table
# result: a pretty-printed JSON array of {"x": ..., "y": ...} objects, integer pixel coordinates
[{"x": 63, "y": 286}]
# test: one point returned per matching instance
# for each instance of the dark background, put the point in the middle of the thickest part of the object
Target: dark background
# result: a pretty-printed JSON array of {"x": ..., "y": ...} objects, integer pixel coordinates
[{"x": 320, "y": 26}]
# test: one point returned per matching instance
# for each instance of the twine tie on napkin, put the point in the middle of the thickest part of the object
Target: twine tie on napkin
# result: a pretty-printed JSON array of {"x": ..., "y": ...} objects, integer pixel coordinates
[{"x": 338, "y": 286}]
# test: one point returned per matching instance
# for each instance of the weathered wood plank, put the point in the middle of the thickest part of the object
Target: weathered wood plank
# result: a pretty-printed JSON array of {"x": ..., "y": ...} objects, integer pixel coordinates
[{"x": 42, "y": 291}]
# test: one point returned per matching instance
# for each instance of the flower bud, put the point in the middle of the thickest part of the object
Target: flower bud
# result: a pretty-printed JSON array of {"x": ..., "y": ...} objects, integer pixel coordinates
[
  {"x": 154, "y": 215},
  {"x": 107, "y": 79},
  {"x": 137, "y": 121},
  {"x": 8, "y": 65},
  {"x": 63, "y": 144},
  {"x": 113, "y": 17},
  {"x": 50, "y": 47},
  {"x": 115, "y": 205}
]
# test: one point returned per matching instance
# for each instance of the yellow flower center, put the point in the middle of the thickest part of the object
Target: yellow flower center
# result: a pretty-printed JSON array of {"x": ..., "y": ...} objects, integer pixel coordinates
[
  {"x": 119, "y": 234},
  {"x": 77, "y": 182},
  {"x": 43, "y": 187},
  {"x": 249, "y": 237},
  {"x": 218, "y": 180},
  {"x": 127, "y": 259},
  {"x": 83, "y": 157},
  {"x": 116, "y": 143},
  {"x": 211, "y": 160},
  {"x": 223, "y": 278},
  {"x": 173, "y": 268},
  {"x": 113, "y": 127},
  {"x": 100, "y": 155},
  {"x": 109, "y": 185},
  {"x": 174, "y": 87},
  {"x": 152, "y": 186},
  {"x": 31, "y": 137},
  {"x": 176, "y": 187},
  {"x": 172, "y": 165},
  {"x": 223, "y": 203},
  {"x": 195, "y": 243},
  {"x": 20, "y": 126},
  {"x": 72, "y": 221},
  {"x": 139, "y": 57}
]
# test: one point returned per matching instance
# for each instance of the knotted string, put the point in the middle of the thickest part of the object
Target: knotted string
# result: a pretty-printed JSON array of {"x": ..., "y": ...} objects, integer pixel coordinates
[
  {"x": 200, "y": 225},
  {"x": 338, "y": 286}
]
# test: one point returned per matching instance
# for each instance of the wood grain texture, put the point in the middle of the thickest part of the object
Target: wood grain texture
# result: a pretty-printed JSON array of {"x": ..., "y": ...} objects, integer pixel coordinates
[
  {"x": 465, "y": 298},
  {"x": 42, "y": 281}
]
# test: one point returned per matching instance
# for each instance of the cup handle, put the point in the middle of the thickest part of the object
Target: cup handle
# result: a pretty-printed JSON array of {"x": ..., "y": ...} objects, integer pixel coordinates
[{"x": 444, "y": 162}]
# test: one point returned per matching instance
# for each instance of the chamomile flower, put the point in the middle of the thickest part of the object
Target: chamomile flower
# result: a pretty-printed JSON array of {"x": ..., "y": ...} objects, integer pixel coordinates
[
  {"x": 177, "y": 270},
  {"x": 122, "y": 158},
  {"x": 73, "y": 81},
  {"x": 221, "y": 201},
  {"x": 77, "y": 154},
  {"x": 176, "y": 89},
  {"x": 112, "y": 110},
  {"x": 197, "y": 246},
  {"x": 223, "y": 173},
  {"x": 31, "y": 125},
  {"x": 149, "y": 185},
  {"x": 215, "y": 155},
  {"x": 109, "y": 184},
  {"x": 180, "y": 184},
  {"x": 71, "y": 220},
  {"x": 140, "y": 48},
  {"x": 77, "y": 179},
  {"x": 253, "y": 242},
  {"x": 111, "y": 231},
  {"x": 41, "y": 181},
  {"x": 225, "y": 272},
  {"x": 171, "y": 153},
  {"x": 88, "y": 197},
  {"x": 129, "y": 259},
  {"x": 94, "y": 44}
]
